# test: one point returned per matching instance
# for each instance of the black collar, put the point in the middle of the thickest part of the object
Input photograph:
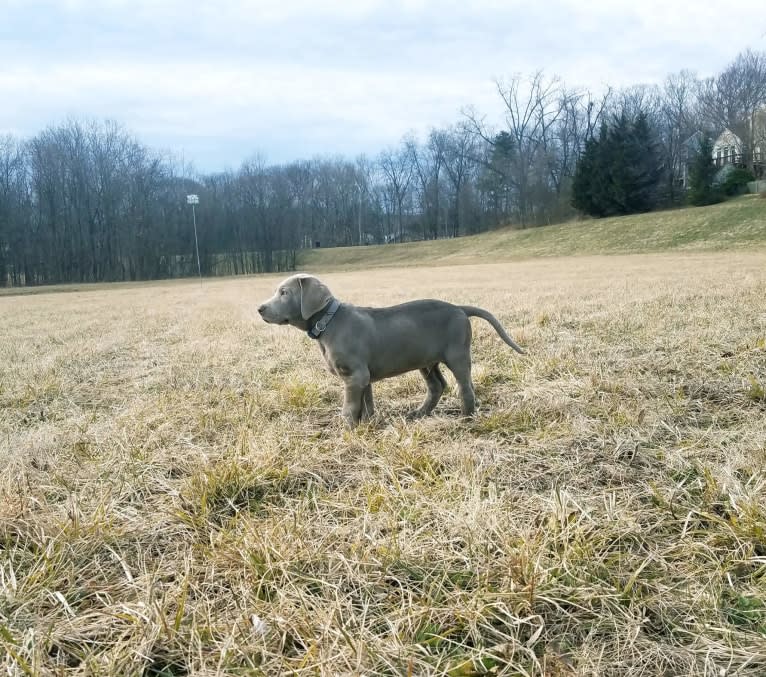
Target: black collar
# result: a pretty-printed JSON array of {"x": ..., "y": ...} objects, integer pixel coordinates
[{"x": 321, "y": 324}]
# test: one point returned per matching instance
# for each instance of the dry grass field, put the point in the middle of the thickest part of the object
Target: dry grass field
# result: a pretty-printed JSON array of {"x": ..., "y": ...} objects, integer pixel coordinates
[{"x": 179, "y": 497}]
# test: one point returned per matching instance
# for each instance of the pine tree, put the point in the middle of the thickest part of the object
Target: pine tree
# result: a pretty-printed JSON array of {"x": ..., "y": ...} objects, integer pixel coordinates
[
  {"x": 701, "y": 174},
  {"x": 590, "y": 184},
  {"x": 646, "y": 166},
  {"x": 619, "y": 173},
  {"x": 583, "y": 198},
  {"x": 621, "y": 155}
]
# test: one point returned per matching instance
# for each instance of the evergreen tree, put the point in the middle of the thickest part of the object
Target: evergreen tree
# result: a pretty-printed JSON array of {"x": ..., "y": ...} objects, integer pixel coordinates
[
  {"x": 621, "y": 153},
  {"x": 583, "y": 180},
  {"x": 642, "y": 160},
  {"x": 620, "y": 172},
  {"x": 701, "y": 174},
  {"x": 590, "y": 182}
]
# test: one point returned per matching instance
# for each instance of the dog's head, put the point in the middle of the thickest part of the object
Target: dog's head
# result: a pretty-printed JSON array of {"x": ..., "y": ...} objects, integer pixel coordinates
[{"x": 296, "y": 299}]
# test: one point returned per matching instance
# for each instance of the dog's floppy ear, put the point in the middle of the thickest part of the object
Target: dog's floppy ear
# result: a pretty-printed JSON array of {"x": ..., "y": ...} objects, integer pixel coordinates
[{"x": 314, "y": 296}]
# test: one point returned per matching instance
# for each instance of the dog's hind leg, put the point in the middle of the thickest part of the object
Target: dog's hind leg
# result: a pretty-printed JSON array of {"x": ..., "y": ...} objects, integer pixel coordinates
[{"x": 436, "y": 385}]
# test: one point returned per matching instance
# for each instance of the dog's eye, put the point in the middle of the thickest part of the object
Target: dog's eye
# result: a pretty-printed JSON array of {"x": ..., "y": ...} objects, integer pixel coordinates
[{"x": 282, "y": 292}]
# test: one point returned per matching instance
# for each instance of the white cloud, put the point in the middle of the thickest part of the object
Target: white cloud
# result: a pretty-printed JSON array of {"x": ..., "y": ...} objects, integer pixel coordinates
[{"x": 298, "y": 77}]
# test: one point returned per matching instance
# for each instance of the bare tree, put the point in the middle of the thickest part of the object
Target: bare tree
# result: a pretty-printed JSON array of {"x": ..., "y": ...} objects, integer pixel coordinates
[
  {"x": 396, "y": 167},
  {"x": 532, "y": 108},
  {"x": 13, "y": 208},
  {"x": 428, "y": 161},
  {"x": 562, "y": 143},
  {"x": 459, "y": 152},
  {"x": 735, "y": 98},
  {"x": 365, "y": 178},
  {"x": 678, "y": 119}
]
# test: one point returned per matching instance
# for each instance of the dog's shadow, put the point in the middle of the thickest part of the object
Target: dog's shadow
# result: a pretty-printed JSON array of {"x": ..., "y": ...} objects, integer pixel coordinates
[{"x": 330, "y": 420}]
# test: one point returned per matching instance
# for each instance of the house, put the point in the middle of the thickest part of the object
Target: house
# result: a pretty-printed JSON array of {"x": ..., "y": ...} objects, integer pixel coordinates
[{"x": 728, "y": 148}]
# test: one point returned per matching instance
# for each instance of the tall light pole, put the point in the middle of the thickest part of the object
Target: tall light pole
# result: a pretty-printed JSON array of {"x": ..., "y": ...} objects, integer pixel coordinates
[
  {"x": 194, "y": 200},
  {"x": 359, "y": 186}
]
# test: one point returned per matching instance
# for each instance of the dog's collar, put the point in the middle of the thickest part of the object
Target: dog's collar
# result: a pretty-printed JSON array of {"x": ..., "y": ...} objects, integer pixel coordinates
[{"x": 321, "y": 324}]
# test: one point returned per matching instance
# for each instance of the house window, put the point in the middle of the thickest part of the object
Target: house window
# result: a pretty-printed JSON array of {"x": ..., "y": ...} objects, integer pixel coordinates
[{"x": 726, "y": 154}]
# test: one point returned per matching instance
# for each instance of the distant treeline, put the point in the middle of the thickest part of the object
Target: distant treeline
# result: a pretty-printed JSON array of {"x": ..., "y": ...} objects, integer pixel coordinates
[{"x": 84, "y": 201}]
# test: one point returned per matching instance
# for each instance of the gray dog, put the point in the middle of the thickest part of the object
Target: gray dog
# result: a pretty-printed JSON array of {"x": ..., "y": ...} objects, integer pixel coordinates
[{"x": 362, "y": 345}]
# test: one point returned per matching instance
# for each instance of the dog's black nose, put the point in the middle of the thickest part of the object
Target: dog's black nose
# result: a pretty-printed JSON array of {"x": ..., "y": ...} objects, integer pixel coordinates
[{"x": 261, "y": 308}]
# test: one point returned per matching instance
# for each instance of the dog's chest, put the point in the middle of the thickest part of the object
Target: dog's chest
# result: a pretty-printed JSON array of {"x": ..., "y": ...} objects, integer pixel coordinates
[{"x": 334, "y": 366}]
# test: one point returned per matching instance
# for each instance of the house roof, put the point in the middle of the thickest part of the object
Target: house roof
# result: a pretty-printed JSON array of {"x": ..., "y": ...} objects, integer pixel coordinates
[{"x": 727, "y": 137}]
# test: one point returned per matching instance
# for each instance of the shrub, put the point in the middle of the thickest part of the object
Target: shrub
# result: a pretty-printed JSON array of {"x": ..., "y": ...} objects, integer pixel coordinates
[{"x": 736, "y": 181}]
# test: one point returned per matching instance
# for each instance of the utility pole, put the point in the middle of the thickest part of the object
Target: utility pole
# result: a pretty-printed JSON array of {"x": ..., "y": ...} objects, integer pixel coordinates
[
  {"x": 359, "y": 186},
  {"x": 194, "y": 200}
]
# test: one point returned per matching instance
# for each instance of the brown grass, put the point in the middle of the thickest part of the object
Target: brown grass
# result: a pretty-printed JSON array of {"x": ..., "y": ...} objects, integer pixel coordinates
[{"x": 178, "y": 497}]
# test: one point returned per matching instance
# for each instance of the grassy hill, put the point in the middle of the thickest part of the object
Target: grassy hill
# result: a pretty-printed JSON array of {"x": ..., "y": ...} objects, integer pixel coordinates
[{"x": 730, "y": 225}]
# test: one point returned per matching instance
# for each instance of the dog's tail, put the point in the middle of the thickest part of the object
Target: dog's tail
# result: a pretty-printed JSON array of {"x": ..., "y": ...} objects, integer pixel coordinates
[{"x": 473, "y": 311}]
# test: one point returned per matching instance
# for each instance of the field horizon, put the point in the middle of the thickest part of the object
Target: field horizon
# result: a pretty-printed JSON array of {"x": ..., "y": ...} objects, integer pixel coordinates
[{"x": 736, "y": 225}]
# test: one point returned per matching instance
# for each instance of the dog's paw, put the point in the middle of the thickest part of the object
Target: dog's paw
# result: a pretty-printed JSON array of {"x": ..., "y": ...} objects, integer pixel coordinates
[{"x": 416, "y": 414}]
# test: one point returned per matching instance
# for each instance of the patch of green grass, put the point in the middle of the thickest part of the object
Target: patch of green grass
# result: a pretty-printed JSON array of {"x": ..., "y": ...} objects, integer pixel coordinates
[
  {"x": 745, "y": 611},
  {"x": 755, "y": 391},
  {"x": 506, "y": 423},
  {"x": 225, "y": 489},
  {"x": 304, "y": 395}
]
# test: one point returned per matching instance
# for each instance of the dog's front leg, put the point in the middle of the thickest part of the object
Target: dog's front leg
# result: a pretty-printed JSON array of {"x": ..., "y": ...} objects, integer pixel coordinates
[
  {"x": 356, "y": 383},
  {"x": 368, "y": 406}
]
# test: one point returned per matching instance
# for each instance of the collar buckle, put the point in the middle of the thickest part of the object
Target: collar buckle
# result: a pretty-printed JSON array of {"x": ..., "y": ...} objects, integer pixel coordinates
[{"x": 316, "y": 331}]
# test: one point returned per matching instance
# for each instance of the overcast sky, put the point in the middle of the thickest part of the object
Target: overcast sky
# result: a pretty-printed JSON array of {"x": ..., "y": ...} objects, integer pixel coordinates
[{"x": 220, "y": 81}]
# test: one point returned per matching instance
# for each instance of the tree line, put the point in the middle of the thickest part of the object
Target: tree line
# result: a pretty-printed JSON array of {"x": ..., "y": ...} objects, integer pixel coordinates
[{"x": 85, "y": 201}]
